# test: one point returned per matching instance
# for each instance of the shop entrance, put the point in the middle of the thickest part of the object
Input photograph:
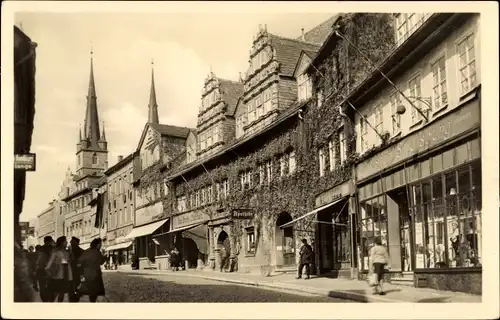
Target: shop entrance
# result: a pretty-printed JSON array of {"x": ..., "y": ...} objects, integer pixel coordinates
[
  {"x": 284, "y": 241},
  {"x": 191, "y": 252},
  {"x": 334, "y": 238},
  {"x": 399, "y": 196},
  {"x": 223, "y": 244}
]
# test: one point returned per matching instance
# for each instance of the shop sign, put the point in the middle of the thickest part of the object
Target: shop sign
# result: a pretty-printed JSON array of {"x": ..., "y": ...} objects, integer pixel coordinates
[
  {"x": 335, "y": 193},
  {"x": 188, "y": 218},
  {"x": 25, "y": 161},
  {"x": 452, "y": 125},
  {"x": 242, "y": 214},
  {"x": 147, "y": 214}
]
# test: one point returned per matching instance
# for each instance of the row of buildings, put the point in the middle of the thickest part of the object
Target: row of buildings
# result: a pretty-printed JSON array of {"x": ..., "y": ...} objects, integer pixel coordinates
[{"x": 366, "y": 126}]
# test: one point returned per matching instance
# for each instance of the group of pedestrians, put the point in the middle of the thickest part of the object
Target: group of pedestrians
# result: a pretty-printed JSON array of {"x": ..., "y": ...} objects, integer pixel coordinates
[{"x": 58, "y": 270}]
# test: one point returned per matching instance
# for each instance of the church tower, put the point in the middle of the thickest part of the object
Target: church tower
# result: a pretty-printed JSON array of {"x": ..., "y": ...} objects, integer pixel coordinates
[
  {"x": 153, "y": 106},
  {"x": 92, "y": 148}
]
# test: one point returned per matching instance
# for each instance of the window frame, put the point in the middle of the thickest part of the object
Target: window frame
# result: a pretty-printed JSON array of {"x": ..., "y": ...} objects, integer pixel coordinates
[
  {"x": 470, "y": 86},
  {"x": 440, "y": 85}
]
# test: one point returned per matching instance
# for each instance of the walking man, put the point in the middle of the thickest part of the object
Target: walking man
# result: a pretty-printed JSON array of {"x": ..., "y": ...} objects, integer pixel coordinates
[
  {"x": 75, "y": 253},
  {"x": 305, "y": 259},
  {"x": 46, "y": 292}
]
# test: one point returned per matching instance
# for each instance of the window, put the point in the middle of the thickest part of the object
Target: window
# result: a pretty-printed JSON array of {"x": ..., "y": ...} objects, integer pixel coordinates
[
  {"x": 408, "y": 23},
  {"x": 225, "y": 187},
  {"x": 304, "y": 87},
  {"x": 239, "y": 127},
  {"x": 373, "y": 223},
  {"x": 246, "y": 179},
  {"x": 379, "y": 118},
  {"x": 269, "y": 169},
  {"x": 262, "y": 174},
  {"x": 292, "y": 164},
  {"x": 209, "y": 137},
  {"x": 322, "y": 165},
  {"x": 250, "y": 245},
  {"x": 197, "y": 198},
  {"x": 216, "y": 134},
  {"x": 181, "y": 203},
  {"x": 331, "y": 154},
  {"x": 395, "y": 99},
  {"x": 342, "y": 141},
  {"x": 363, "y": 134},
  {"x": 319, "y": 98},
  {"x": 416, "y": 95},
  {"x": 251, "y": 112},
  {"x": 282, "y": 165},
  {"x": 259, "y": 107},
  {"x": 94, "y": 159},
  {"x": 267, "y": 101},
  {"x": 209, "y": 194},
  {"x": 124, "y": 198},
  {"x": 467, "y": 64},
  {"x": 439, "y": 90}
]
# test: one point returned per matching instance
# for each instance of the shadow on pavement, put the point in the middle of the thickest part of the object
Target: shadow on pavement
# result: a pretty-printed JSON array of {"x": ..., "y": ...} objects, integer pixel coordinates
[{"x": 436, "y": 299}]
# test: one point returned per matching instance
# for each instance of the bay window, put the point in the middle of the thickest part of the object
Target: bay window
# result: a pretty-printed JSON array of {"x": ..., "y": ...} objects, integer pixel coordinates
[{"x": 267, "y": 101}]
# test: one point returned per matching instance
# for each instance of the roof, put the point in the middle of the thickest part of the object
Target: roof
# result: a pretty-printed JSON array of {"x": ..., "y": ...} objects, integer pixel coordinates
[
  {"x": 307, "y": 53},
  {"x": 288, "y": 52},
  {"x": 231, "y": 92},
  {"x": 173, "y": 131},
  {"x": 120, "y": 164},
  {"x": 321, "y": 32},
  {"x": 289, "y": 112},
  {"x": 330, "y": 37}
]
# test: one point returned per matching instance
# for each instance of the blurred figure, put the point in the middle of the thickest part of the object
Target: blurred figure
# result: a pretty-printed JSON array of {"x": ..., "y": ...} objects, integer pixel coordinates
[
  {"x": 31, "y": 256},
  {"x": 306, "y": 253},
  {"x": 174, "y": 259},
  {"x": 59, "y": 270},
  {"x": 90, "y": 262},
  {"x": 75, "y": 252},
  {"x": 379, "y": 257},
  {"x": 23, "y": 289},
  {"x": 43, "y": 255}
]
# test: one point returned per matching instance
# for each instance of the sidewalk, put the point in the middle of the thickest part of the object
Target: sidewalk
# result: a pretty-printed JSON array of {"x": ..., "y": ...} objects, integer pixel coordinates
[{"x": 335, "y": 288}]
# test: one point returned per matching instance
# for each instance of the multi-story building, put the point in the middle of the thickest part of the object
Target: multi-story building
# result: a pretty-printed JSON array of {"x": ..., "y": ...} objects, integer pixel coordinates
[
  {"x": 238, "y": 197},
  {"x": 419, "y": 181},
  {"x": 159, "y": 145},
  {"x": 119, "y": 209},
  {"x": 91, "y": 161},
  {"x": 46, "y": 224}
]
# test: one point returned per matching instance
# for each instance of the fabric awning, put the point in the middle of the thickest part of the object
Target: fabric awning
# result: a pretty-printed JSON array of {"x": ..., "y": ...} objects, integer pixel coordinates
[
  {"x": 199, "y": 235},
  {"x": 186, "y": 227},
  {"x": 311, "y": 212},
  {"x": 145, "y": 230},
  {"x": 118, "y": 246}
]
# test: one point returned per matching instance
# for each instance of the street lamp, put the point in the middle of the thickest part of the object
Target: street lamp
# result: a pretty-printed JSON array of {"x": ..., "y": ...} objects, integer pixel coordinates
[{"x": 401, "y": 109}]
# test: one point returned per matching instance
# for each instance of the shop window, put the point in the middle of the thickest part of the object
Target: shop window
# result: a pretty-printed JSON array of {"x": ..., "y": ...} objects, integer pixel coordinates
[
  {"x": 373, "y": 223},
  {"x": 250, "y": 240}
]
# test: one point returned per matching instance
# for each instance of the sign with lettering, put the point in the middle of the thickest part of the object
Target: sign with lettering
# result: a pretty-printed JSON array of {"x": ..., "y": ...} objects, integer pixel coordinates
[
  {"x": 335, "y": 193},
  {"x": 242, "y": 214},
  {"x": 189, "y": 218},
  {"x": 26, "y": 162},
  {"x": 147, "y": 214},
  {"x": 452, "y": 125}
]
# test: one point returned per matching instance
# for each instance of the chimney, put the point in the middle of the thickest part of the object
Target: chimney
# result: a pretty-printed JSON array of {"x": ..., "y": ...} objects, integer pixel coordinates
[
  {"x": 303, "y": 35},
  {"x": 120, "y": 158}
]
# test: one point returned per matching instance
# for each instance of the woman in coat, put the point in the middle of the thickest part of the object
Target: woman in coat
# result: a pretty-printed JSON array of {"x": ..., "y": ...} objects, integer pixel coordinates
[
  {"x": 90, "y": 262},
  {"x": 379, "y": 257},
  {"x": 58, "y": 270}
]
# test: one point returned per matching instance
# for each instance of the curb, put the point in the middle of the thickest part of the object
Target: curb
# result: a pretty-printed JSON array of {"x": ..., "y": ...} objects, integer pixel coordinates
[{"x": 280, "y": 285}]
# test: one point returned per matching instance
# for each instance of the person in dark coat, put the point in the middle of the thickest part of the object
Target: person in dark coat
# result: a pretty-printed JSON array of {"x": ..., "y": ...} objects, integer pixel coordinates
[
  {"x": 75, "y": 254},
  {"x": 31, "y": 256},
  {"x": 46, "y": 292},
  {"x": 90, "y": 262},
  {"x": 306, "y": 253}
]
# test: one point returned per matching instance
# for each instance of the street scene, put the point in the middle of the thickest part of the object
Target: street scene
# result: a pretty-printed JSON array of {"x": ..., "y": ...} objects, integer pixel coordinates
[{"x": 329, "y": 157}]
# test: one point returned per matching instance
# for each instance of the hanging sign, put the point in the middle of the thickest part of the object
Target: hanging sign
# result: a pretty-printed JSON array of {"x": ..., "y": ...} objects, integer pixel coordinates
[
  {"x": 26, "y": 162},
  {"x": 242, "y": 214}
]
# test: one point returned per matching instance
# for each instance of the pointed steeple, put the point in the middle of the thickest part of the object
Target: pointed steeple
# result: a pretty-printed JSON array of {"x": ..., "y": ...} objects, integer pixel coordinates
[
  {"x": 153, "y": 106},
  {"x": 80, "y": 133},
  {"x": 103, "y": 136},
  {"x": 91, "y": 126}
]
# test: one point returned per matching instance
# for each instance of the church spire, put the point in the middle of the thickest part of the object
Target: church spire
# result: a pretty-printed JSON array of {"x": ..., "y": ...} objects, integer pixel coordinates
[
  {"x": 91, "y": 127},
  {"x": 103, "y": 136},
  {"x": 153, "y": 106}
]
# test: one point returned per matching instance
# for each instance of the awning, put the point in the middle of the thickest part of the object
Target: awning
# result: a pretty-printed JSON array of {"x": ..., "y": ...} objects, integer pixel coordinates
[
  {"x": 85, "y": 246},
  {"x": 186, "y": 227},
  {"x": 145, "y": 230},
  {"x": 118, "y": 246},
  {"x": 312, "y": 212},
  {"x": 199, "y": 235}
]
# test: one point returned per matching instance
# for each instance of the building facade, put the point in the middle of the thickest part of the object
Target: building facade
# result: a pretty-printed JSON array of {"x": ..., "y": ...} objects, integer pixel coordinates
[
  {"x": 420, "y": 188},
  {"x": 46, "y": 222},
  {"x": 119, "y": 209}
]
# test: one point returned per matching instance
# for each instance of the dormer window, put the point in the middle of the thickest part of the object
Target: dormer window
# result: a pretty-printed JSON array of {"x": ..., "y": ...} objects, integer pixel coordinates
[{"x": 304, "y": 87}]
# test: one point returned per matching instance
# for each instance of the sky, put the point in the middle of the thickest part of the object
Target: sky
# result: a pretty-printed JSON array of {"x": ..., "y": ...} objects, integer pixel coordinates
[{"x": 184, "y": 47}]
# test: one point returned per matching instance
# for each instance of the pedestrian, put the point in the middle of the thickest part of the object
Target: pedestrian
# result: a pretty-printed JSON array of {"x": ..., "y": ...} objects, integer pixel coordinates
[
  {"x": 90, "y": 262},
  {"x": 224, "y": 255},
  {"x": 305, "y": 253},
  {"x": 174, "y": 259},
  {"x": 43, "y": 255},
  {"x": 59, "y": 270},
  {"x": 31, "y": 256},
  {"x": 379, "y": 258},
  {"x": 75, "y": 254}
]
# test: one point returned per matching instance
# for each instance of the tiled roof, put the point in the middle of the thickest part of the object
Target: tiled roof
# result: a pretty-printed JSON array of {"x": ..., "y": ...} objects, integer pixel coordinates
[
  {"x": 288, "y": 52},
  {"x": 168, "y": 130},
  {"x": 319, "y": 33},
  {"x": 231, "y": 92},
  {"x": 310, "y": 53}
]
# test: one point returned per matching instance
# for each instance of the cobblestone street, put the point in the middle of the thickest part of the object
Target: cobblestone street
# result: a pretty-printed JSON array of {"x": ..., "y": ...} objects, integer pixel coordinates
[{"x": 122, "y": 287}]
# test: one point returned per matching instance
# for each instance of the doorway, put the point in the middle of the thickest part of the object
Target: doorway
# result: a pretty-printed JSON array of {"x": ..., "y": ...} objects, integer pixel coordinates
[
  {"x": 405, "y": 228},
  {"x": 325, "y": 233},
  {"x": 224, "y": 248},
  {"x": 284, "y": 242}
]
